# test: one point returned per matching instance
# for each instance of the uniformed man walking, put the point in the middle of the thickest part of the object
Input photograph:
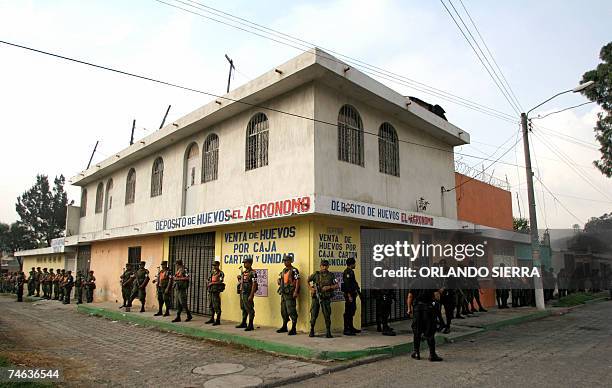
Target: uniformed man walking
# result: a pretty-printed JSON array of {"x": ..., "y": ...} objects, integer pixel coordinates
[
  {"x": 78, "y": 287},
  {"x": 247, "y": 289},
  {"x": 351, "y": 290},
  {"x": 322, "y": 289},
  {"x": 289, "y": 289},
  {"x": 181, "y": 285},
  {"x": 164, "y": 291},
  {"x": 420, "y": 307},
  {"x": 139, "y": 288},
  {"x": 20, "y": 282},
  {"x": 126, "y": 281},
  {"x": 215, "y": 286},
  {"x": 90, "y": 286}
]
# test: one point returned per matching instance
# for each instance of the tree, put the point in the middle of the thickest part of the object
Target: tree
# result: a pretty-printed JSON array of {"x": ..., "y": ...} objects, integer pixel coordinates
[
  {"x": 42, "y": 211},
  {"x": 599, "y": 224},
  {"x": 601, "y": 93},
  {"x": 15, "y": 238},
  {"x": 520, "y": 225}
]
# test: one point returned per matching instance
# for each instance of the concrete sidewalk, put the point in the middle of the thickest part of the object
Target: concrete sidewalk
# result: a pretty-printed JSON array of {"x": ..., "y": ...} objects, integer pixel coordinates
[{"x": 367, "y": 344}]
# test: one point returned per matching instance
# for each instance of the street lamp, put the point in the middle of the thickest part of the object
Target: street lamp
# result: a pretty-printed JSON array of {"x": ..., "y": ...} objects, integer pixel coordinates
[{"x": 533, "y": 222}]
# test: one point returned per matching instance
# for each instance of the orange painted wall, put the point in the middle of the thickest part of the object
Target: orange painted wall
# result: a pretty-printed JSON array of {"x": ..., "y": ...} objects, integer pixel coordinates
[
  {"x": 482, "y": 203},
  {"x": 108, "y": 260},
  {"x": 486, "y": 205}
]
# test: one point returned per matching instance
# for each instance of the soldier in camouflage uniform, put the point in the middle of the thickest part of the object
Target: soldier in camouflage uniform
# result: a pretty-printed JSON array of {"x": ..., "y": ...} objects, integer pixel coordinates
[
  {"x": 216, "y": 286},
  {"x": 55, "y": 284},
  {"x": 247, "y": 288},
  {"x": 164, "y": 288},
  {"x": 68, "y": 284},
  {"x": 323, "y": 286},
  {"x": 90, "y": 286},
  {"x": 62, "y": 284},
  {"x": 45, "y": 283},
  {"x": 37, "y": 281},
  {"x": 139, "y": 288},
  {"x": 78, "y": 287},
  {"x": 181, "y": 285},
  {"x": 126, "y": 284},
  {"x": 19, "y": 281},
  {"x": 32, "y": 282},
  {"x": 288, "y": 288}
]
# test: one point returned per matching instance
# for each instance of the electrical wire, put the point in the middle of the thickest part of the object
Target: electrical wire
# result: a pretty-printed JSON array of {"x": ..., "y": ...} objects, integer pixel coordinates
[
  {"x": 368, "y": 69},
  {"x": 562, "y": 110},
  {"x": 166, "y": 83},
  {"x": 501, "y": 89},
  {"x": 557, "y": 199}
]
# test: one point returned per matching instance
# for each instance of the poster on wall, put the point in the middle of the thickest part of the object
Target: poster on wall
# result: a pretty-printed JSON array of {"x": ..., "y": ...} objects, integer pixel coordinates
[
  {"x": 262, "y": 282},
  {"x": 335, "y": 246},
  {"x": 338, "y": 295},
  {"x": 265, "y": 246}
]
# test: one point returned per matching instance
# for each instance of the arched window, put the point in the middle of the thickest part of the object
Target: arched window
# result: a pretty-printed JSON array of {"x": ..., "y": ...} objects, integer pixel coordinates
[
  {"x": 130, "y": 187},
  {"x": 388, "y": 150},
  {"x": 83, "y": 202},
  {"x": 192, "y": 163},
  {"x": 99, "y": 197},
  {"x": 350, "y": 136},
  {"x": 210, "y": 161},
  {"x": 257, "y": 142},
  {"x": 109, "y": 194},
  {"x": 157, "y": 177}
]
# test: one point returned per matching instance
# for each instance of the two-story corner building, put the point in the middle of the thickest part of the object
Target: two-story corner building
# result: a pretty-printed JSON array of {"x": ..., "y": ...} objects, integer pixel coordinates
[{"x": 297, "y": 160}]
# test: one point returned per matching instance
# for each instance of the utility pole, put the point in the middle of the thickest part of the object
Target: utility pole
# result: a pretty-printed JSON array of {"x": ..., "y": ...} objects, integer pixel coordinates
[
  {"x": 165, "y": 116},
  {"x": 229, "y": 78},
  {"x": 133, "y": 128},
  {"x": 92, "y": 154},
  {"x": 533, "y": 222}
]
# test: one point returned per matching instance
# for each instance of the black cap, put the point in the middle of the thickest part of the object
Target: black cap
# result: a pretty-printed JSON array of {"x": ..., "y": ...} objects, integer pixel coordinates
[
  {"x": 216, "y": 263},
  {"x": 324, "y": 262}
]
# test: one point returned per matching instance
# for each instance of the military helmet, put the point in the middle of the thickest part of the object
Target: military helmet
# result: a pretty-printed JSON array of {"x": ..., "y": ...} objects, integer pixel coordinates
[
  {"x": 216, "y": 263},
  {"x": 288, "y": 257},
  {"x": 247, "y": 260},
  {"x": 325, "y": 262}
]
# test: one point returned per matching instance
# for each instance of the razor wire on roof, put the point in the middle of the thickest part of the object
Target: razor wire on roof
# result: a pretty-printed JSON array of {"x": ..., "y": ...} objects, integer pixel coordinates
[{"x": 472, "y": 172}]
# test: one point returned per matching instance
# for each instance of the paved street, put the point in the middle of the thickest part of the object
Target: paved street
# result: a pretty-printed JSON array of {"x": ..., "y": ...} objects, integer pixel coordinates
[
  {"x": 96, "y": 351},
  {"x": 571, "y": 350}
]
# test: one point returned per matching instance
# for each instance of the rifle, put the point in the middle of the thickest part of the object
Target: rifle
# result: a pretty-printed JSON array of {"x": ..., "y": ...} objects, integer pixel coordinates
[{"x": 241, "y": 279}]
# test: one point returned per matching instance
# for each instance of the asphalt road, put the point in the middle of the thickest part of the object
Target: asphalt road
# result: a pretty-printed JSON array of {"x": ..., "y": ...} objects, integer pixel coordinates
[{"x": 573, "y": 350}]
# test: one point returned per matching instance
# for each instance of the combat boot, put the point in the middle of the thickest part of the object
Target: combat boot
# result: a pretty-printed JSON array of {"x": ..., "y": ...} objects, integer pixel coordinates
[
  {"x": 348, "y": 332},
  {"x": 311, "y": 334},
  {"x": 211, "y": 320},
  {"x": 218, "y": 320},
  {"x": 167, "y": 313},
  {"x": 250, "y": 326},
  {"x": 189, "y": 317},
  {"x": 177, "y": 319},
  {"x": 242, "y": 324},
  {"x": 142, "y": 309},
  {"x": 292, "y": 331},
  {"x": 415, "y": 355},
  {"x": 283, "y": 329},
  {"x": 328, "y": 333},
  {"x": 157, "y": 314}
]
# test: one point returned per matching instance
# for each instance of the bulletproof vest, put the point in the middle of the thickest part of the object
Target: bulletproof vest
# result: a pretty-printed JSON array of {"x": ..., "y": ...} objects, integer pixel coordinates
[
  {"x": 181, "y": 284},
  {"x": 141, "y": 275},
  {"x": 287, "y": 279},
  {"x": 247, "y": 281},
  {"x": 164, "y": 279},
  {"x": 323, "y": 279},
  {"x": 217, "y": 277}
]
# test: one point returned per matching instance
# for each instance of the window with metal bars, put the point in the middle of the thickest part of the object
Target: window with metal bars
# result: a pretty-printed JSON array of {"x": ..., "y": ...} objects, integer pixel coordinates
[
  {"x": 83, "y": 209},
  {"x": 257, "y": 142},
  {"x": 99, "y": 197},
  {"x": 130, "y": 187},
  {"x": 210, "y": 161},
  {"x": 388, "y": 150},
  {"x": 350, "y": 136},
  {"x": 157, "y": 177}
]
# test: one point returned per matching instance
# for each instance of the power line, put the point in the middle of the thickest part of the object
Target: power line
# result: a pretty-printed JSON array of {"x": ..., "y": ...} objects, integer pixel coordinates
[
  {"x": 484, "y": 169},
  {"x": 366, "y": 68},
  {"x": 562, "y": 110},
  {"x": 567, "y": 138},
  {"x": 166, "y": 83},
  {"x": 557, "y": 199},
  {"x": 569, "y": 163},
  {"x": 492, "y": 57},
  {"x": 501, "y": 89}
]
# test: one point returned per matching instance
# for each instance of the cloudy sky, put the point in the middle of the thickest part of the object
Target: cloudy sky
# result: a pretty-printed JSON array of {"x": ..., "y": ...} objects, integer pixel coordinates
[{"x": 53, "y": 112}]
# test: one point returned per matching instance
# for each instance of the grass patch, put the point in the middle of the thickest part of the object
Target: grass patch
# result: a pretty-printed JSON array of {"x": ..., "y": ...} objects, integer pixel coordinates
[{"x": 575, "y": 299}]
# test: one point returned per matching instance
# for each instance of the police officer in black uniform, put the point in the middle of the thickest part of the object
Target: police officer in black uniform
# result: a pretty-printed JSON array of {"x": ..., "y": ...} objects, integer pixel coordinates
[
  {"x": 448, "y": 297},
  {"x": 350, "y": 288},
  {"x": 384, "y": 298},
  {"x": 420, "y": 307}
]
